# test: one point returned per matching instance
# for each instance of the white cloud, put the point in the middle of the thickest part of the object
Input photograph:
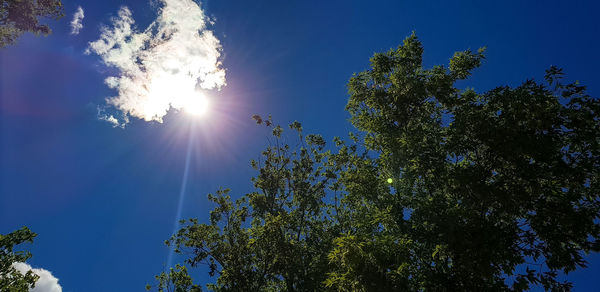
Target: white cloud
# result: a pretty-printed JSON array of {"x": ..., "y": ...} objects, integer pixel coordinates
[
  {"x": 76, "y": 23},
  {"x": 111, "y": 119},
  {"x": 168, "y": 65},
  {"x": 46, "y": 283},
  {"x": 103, "y": 115}
]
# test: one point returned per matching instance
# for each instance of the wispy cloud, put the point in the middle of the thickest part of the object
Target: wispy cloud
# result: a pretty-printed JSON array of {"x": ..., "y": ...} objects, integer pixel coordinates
[
  {"x": 104, "y": 116},
  {"x": 168, "y": 65},
  {"x": 77, "y": 22},
  {"x": 46, "y": 283}
]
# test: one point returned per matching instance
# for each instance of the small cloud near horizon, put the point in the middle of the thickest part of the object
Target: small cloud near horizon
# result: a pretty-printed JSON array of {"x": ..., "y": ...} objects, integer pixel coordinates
[{"x": 46, "y": 283}]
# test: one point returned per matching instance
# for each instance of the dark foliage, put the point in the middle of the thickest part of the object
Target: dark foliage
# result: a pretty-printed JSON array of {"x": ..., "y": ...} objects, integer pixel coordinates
[{"x": 441, "y": 189}]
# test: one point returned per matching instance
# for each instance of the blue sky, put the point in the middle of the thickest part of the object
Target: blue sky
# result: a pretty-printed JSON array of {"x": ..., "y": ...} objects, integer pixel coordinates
[{"x": 103, "y": 199}]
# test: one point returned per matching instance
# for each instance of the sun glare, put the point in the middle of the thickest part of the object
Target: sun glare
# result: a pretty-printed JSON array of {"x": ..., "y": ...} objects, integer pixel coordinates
[
  {"x": 174, "y": 91},
  {"x": 197, "y": 106}
]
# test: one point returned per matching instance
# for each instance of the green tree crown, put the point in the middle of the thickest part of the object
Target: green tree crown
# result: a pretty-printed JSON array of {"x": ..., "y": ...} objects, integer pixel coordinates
[
  {"x": 441, "y": 188},
  {"x": 11, "y": 280},
  {"x": 20, "y": 16}
]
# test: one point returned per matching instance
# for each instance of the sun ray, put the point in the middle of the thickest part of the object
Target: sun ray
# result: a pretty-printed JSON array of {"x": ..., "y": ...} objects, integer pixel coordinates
[{"x": 182, "y": 190}]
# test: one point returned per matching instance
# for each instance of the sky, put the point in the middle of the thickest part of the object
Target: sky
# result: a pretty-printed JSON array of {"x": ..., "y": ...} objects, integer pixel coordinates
[{"x": 103, "y": 193}]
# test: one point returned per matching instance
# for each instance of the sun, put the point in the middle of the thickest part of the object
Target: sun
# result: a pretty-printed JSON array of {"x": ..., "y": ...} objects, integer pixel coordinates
[
  {"x": 197, "y": 106},
  {"x": 176, "y": 91}
]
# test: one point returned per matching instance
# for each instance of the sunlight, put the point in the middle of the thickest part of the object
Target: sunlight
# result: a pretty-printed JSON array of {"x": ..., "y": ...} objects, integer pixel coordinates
[
  {"x": 196, "y": 106},
  {"x": 173, "y": 91}
]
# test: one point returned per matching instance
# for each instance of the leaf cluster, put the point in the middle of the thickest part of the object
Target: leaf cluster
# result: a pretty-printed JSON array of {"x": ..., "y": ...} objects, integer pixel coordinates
[
  {"x": 277, "y": 237},
  {"x": 492, "y": 191},
  {"x": 11, "y": 280},
  {"x": 20, "y": 16}
]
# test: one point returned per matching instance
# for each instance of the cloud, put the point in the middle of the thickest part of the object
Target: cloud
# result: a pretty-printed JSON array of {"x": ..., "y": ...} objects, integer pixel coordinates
[
  {"x": 76, "y": 23},
  {"x": 103, "y": 115},
  {"x": 168, "y": 65},
  {"x": 111, "y": 119},
  {"x": 46, "y": 283}
]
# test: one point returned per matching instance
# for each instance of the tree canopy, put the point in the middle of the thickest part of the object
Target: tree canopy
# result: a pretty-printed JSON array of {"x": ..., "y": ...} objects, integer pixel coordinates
[
  {"x": 11, "y": 280},
  {"x": 20, "y": 16},
  {"x": 441, "y": 188}
]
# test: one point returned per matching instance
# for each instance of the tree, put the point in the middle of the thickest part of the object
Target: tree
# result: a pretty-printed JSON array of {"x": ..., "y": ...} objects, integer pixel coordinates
[
  {"x": 441, "y": 189},
  {"x": 491, "y": 191},
  {"x": 20, "y": 16},
  {"x": 12, "y": 280},
  {"x": 276, "y": 238},
  {"x": 176, "y": 280}
]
